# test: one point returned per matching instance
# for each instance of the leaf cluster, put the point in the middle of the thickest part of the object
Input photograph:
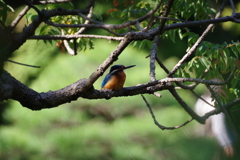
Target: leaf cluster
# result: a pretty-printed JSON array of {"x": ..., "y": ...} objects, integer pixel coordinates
[
  {"x": 4, "y": 9},
  {"x": 214, "y": 61}
]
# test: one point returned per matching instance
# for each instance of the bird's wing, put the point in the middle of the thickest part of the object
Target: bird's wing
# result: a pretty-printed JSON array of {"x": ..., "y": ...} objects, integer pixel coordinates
[{"x": 106, "y": 79}]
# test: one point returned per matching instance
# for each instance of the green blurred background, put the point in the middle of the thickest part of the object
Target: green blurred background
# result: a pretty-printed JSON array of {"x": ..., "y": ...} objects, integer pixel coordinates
[{"x": 119, "y": 128}]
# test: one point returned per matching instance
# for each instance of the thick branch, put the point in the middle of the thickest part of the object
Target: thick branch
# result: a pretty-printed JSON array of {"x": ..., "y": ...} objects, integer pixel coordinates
[{"x": 10, "y": 88}]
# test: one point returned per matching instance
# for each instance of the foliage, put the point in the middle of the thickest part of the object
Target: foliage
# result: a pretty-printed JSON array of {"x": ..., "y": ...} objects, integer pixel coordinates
[{"x": 4, "y": 9}]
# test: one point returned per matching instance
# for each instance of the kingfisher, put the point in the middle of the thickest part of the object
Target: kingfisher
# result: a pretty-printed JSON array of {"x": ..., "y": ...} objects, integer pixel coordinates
[{"x": 115, "y": 78}]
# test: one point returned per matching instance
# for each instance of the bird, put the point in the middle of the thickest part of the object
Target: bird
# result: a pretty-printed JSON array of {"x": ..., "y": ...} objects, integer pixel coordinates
[{"x": 116, "y": 77}]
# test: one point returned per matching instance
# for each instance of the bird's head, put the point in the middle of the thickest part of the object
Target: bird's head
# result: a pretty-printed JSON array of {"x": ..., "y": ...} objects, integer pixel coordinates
[{"x": 118, "y": 68}]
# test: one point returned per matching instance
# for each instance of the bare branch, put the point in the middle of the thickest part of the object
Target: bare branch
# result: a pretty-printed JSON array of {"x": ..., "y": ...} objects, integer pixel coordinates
[
  {"x": 19, "y": 17},
  {"x": 173, "y": 19},
  {"x": 151, "y": 19},
  {"x": 69, "y": 49},
  {"x": 51, "y": 1},
  {"x": 23, "y": 64},
  {"x": 156, "y": 122},
  {"x": 86, "y": 22},
  {"x": 157, "y": 94},
  {"x": 68, "y": 37},
  {"x": 186, "y": 107},
  {"x": 202, "y": 98},
  {"x": 233, "y": 7},
  {"x": 166, "y": 12},
  {"x": 153, "y": 53},
  {"x": 30, "y": 4},
  {"x": 162, "y": 65},
  {"x": 219, "y": 110}
]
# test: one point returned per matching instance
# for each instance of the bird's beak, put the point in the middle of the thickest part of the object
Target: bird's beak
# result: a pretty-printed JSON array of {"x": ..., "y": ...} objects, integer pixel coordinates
[{"x": 129, "y": 67}]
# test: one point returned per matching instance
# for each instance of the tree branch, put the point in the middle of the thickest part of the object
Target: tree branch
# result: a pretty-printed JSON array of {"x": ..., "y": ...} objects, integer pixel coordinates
[
  {"x": 157, "y": 123},
  {"x": 13, "y": 89},
  {"x": 69, "y": 37},
  {"x": 18, "y": 18},
  {"x": 219, "y": 110},
  {"x": 67, "y": 46},
  {"x": 51, "y": 1},
  {"x": 86, "y": 22},
  {"x": 153, "y": 53},
  {"x": 186, "y": 107},
  {"x": 30, "y": 4}
]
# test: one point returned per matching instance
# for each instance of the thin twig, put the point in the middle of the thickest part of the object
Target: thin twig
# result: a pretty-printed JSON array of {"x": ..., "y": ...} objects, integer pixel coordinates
[
  {"x": 67, "y": 46},
  {"x": 173, "y": 19},
  {"x": 185, "y": 106},
  {"x": 219, "y": 110},
  {"x": 68, "y": 37},
  {"x": 151, "y": 19},
  {"x": 139, "y": 27},
  {"x": 19, "y": 17},
  {"x": 156, "y": 122},
  {"x": 166, "y": 12},
  {"x": 167, "y": 80},
  {"x": 51, "y": 1},
  {"x": 30, "y": 4},
  {"x": 153, "y": 53},
  {"x": 162, "y": 65},
  {"x": 233, "y": 7},
  {"x": 83, "y": 25},
  {"x": 23, "y": 64},
  {"x": 202, "y": 98},
  {"x": 157, "y": 94},
  {"x": 86, "y": 22}
]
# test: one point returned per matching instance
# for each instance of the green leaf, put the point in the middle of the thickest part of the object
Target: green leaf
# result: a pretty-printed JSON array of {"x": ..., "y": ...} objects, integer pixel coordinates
[
  {"x": 172, "y": 34},
  {"x": 204, "y": 61},
  {"x": 4, "y": 9},
  {"x": 235, "y": 51},
  {"x": 234, "y": 82}
]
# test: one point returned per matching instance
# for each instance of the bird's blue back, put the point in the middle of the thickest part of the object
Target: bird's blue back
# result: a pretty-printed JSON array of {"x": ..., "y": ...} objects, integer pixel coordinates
[{"x": 106, "y": 79}]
